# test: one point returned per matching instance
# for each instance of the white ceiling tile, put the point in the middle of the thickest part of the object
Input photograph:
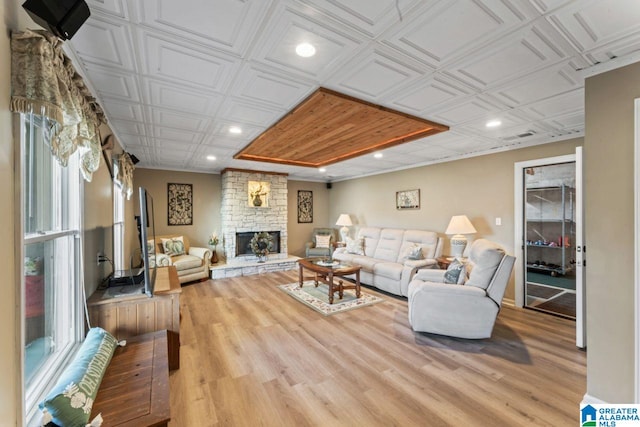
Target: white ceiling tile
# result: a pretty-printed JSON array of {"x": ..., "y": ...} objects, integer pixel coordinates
[
  {"x": 182, "y": 98},
  {"x": 112, "y": 83},
  {"x": 168, "y": 60},
  {"x": 368, "y": 16},
  {"x": 518, "y": 55},
  {"x": 427, "y": 94},
  {"x": 117, "y": 109},
  {"x": 227, "y": 25},
  {"x": 560, "y": 104},
  {"x": 289, "y": 27},
  {"x": 173, "y": 119},
  {"x": 238, "y": 111},
  {"x": 373, "y": 74},
  {"x": 105, "y": 42},
  {"x": 591, "y": 24},
  {"x": 270, "y": 87},
  {"x": 466, "y": 111},
  {"x": 125, "y": 126},
  {"x": 446, "y": 30},
  {"x": 112, "y": 7},
  {"x": 176, "y": 134},
  {"x": 538, "y": 86}
]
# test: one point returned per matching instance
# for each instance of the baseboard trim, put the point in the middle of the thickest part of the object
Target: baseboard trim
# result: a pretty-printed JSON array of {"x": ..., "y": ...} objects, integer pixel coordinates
[{"x": 587, "y": 399}]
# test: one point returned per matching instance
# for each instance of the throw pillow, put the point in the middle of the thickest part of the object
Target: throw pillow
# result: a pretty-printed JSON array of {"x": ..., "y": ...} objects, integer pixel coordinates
[
  {"x": 70, "y": 401},
  {"x": 323, "y": 241},
  {"x": 455, "y": 273},
  {"x": 174, "y": 246},
  {"x": 413, "y": 252},
  {"x": 151, "y": 248},
  {"x": 355, "y": 246}
]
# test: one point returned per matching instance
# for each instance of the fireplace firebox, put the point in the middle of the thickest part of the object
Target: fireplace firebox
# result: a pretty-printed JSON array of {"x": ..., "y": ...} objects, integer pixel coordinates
[{"x": 243, "y": 242}]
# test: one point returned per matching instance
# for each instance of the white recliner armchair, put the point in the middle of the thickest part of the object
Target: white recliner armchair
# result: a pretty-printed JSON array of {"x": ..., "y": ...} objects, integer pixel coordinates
[{"x": 468, "y": 310}]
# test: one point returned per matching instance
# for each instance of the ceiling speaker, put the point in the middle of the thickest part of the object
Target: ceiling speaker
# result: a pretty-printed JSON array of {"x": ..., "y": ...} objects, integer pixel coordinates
[{"x": 62, "y": 17}]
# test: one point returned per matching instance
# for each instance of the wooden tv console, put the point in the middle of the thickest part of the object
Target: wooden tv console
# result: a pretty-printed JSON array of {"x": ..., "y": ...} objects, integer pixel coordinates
[{"x": 128, "y": 316}]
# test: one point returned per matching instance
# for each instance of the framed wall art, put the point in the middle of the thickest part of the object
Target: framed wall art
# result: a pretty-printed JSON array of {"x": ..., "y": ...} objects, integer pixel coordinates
[
  {"x": 180, "y": 204},
  {"x": 305, "y": 206},
  {"x": 408, "y": 199}
]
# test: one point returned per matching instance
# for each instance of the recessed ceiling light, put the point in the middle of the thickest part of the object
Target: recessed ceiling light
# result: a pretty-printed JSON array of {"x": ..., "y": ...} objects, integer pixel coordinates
[
  {"x": 235, "y": 129},
  {"x": 322, "y": 170},
  {"x": 378, "y": 155},
  {"x": 212, "y": 158},
  {"x": 305, "y": 50},
  {"x": 493, "y": 123}
]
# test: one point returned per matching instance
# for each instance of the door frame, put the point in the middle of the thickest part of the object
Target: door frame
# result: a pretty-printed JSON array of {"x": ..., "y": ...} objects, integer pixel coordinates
[
  {"x": 636, "y": 266},
  {"x": 518, "y": 218}
]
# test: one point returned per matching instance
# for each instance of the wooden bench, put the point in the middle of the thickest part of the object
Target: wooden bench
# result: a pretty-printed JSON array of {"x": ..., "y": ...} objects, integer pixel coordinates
[{"x": 135, "y": 387}]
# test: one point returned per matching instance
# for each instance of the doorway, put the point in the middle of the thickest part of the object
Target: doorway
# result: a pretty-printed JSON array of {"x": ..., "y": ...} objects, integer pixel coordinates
[{"x": 549, "y": 237}]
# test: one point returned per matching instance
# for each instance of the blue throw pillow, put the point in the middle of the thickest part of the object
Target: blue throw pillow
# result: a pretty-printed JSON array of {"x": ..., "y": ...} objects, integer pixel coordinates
[
  {"x": 455, "y": 273},
  {"x": 70, "y": 401}
]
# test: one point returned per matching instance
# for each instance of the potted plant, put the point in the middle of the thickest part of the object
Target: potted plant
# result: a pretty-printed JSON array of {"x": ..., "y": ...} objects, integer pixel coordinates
[{"x": 261, "y": 243}]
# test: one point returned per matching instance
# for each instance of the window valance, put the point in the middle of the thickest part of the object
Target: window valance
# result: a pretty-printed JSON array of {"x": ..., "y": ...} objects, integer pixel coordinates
[
  {"x": 44, "y": 82},
  {"x": 123, "y": 173}
]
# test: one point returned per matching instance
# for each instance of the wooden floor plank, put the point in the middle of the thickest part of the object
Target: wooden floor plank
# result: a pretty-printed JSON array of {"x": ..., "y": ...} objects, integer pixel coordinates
[{"x": 254, "y": 356}]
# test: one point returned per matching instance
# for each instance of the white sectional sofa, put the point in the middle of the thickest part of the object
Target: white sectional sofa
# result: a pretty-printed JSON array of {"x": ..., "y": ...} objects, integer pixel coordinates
[{"x": 384, "y": 260}]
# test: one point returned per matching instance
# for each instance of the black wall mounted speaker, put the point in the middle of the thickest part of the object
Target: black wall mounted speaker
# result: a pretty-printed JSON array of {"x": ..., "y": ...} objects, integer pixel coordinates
[
  {"x": 329, "y": 185},
  {"x": 62, "y": 17}
]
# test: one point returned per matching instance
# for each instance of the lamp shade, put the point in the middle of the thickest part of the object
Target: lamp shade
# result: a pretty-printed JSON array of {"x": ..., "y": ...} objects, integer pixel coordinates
[
  {"x": 345, "y": 220},
  {"x": 460, "y": 224}
]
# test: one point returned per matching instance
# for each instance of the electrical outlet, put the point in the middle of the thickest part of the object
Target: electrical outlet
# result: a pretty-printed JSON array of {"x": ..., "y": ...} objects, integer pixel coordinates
[
  {"x": 99, "y": 258},
  {"x": 498, "y": 221}
]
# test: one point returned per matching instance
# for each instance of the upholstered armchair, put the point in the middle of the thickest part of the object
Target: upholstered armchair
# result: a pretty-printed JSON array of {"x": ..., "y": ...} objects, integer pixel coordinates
[
  {"x": 468, "y": 309},
  {"x": 319, "y": 246},
  {"x": 192, "y": 263}
]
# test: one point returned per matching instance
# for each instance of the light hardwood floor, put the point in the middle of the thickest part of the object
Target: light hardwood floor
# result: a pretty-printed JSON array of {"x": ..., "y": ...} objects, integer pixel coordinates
[{"x": 253, "y": 356}]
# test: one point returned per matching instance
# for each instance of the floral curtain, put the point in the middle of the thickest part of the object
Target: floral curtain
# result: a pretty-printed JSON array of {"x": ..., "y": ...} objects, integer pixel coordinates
[
  {"x": 44, "y": 82},
  {"x": 123, "y": 173}
]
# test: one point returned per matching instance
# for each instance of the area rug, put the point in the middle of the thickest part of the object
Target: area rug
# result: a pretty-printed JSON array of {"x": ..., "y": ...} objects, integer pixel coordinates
[{"x": 318, "y": 298}]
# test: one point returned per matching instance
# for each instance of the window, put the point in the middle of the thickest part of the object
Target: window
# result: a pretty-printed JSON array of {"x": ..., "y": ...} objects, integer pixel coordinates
[
  {"x": 52, "y": 285},
  {"x": 118, "y": 228}
]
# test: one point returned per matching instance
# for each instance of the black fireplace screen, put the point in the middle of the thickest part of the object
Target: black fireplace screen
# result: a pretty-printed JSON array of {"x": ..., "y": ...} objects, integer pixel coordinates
[{"x": 243, "y": 240}]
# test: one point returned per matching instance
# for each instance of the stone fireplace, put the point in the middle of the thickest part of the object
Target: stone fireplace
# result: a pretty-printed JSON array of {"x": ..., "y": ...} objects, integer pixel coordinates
[{"x": 239, "y": 215}]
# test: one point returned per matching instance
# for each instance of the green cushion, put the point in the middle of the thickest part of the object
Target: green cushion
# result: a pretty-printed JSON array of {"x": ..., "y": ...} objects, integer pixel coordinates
[{"x": 70, "y": 401}]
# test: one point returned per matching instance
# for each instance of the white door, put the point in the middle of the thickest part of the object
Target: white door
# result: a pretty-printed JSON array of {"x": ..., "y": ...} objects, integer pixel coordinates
[{"x": 536, "y": 241}]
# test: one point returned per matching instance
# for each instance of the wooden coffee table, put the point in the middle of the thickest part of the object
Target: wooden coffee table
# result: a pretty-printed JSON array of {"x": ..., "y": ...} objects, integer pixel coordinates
[{"x": 325, "y": 272}]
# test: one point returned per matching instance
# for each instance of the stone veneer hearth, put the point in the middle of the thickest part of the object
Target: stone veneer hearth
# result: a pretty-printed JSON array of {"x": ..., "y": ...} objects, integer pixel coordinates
[{"x": 238, "y": 216}]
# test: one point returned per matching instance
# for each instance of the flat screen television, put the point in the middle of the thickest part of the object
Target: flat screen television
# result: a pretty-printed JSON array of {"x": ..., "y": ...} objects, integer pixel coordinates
[{"x": 147, "y": 240}]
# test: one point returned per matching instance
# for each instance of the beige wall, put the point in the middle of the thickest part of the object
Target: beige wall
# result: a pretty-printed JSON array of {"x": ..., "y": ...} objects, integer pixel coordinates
[
  {"x": 206, "y": 203},
  {"x": 479, "y": 187},
  {"x": 299, "y": 234},
  {"x": 609, "y": 152}
]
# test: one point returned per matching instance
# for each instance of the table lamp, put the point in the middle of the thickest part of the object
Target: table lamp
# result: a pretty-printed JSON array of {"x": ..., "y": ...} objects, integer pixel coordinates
[
  {"x": 459, "y": 226},
  {"x": 345, "y": 221}
]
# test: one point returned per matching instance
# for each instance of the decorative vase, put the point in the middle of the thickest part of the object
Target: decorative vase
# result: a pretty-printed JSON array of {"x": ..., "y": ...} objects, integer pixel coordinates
[
  {"x": 214, "y": 256},
  {"x": 257, "y": 201}
]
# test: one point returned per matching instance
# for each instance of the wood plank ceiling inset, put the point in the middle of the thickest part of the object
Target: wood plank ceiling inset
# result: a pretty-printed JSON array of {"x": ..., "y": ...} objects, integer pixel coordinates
[{"x": 329, "y": 127}]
